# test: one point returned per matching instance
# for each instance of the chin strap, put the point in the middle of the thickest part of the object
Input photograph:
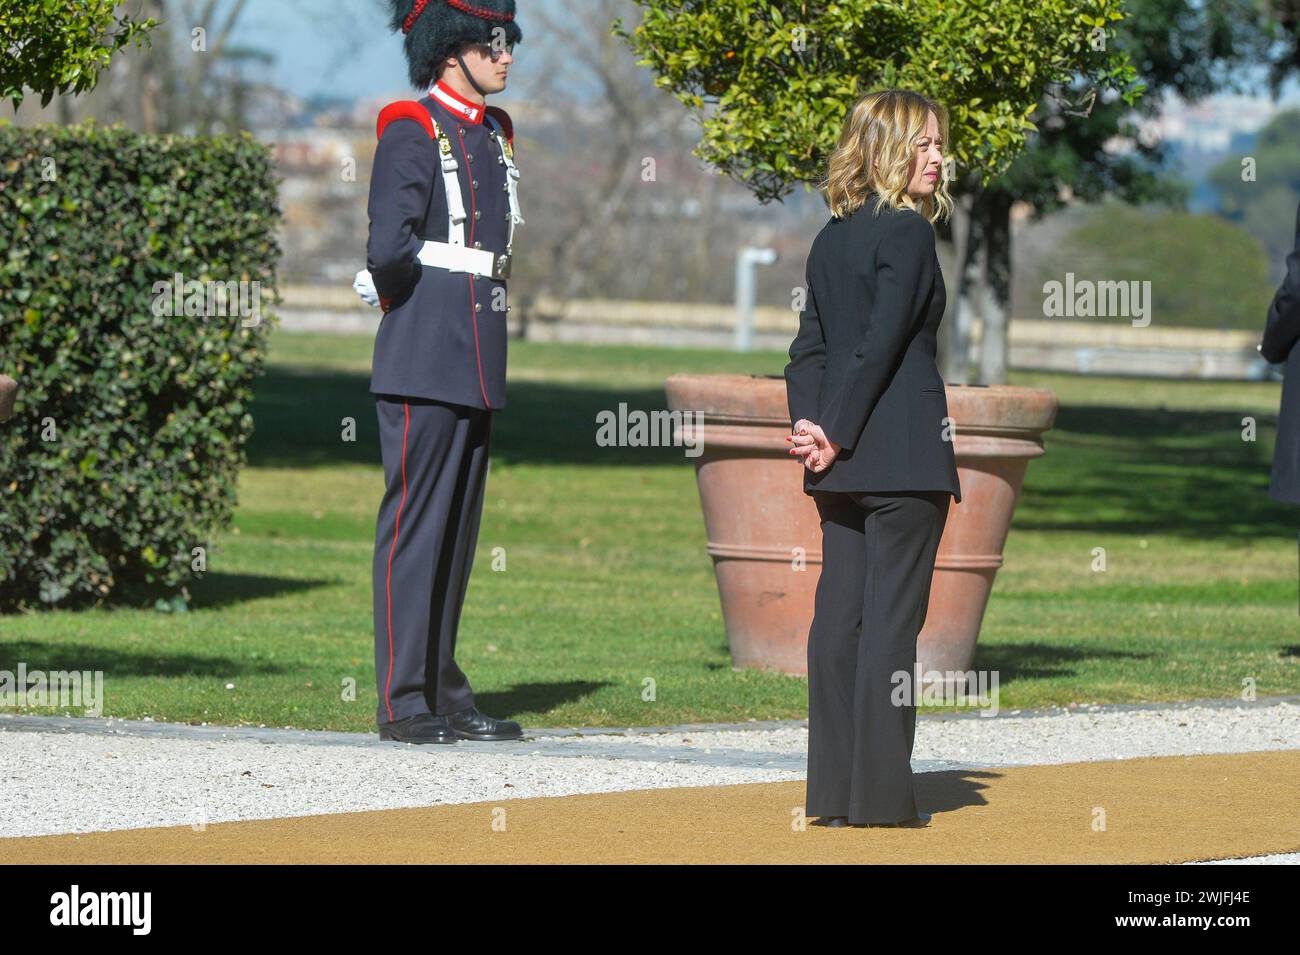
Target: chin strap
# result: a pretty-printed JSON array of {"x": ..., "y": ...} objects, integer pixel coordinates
[{"x": 470, "y": 76}]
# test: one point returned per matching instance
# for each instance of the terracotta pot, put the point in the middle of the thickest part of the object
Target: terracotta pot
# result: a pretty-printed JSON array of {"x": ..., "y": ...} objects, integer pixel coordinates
[{"x": 764, "y": 534}]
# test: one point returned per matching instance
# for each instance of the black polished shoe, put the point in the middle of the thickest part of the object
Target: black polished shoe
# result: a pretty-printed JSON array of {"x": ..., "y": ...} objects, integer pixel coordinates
[
  {"x": 420, "y": 728},
  {"x": 831, "y": 822},
  {"x": 471, "y": 724}
]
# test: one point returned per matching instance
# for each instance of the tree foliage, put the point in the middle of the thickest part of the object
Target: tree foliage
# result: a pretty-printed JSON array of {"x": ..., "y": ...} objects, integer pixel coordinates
[
  {"x": 54, "y": 46},
  {"x": 772, "y": 80}
]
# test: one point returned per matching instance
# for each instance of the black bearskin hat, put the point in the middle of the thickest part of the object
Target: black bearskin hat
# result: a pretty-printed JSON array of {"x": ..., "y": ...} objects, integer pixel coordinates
[{"x": 436, "y": 29}]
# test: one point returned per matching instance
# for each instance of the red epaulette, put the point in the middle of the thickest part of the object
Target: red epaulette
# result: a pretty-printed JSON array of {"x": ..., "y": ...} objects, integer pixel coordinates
[
  {"x": 502, "y": 117},
  {"x": 404, "y": 109}
]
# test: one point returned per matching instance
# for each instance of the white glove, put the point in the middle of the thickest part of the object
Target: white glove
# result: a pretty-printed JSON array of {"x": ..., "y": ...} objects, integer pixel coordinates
[{"x": 365, "y": 287}]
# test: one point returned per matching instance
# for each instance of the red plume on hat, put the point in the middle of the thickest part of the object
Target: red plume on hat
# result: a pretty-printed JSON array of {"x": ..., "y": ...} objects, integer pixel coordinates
[{"x": 485, "y": 12}]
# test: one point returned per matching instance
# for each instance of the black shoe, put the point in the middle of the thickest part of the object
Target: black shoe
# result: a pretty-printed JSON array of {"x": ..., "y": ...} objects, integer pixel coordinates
[
  {"x": 471, "y": 724},
  {"x": 420, "y": 728},
  {"x": 831, "y": 822}
]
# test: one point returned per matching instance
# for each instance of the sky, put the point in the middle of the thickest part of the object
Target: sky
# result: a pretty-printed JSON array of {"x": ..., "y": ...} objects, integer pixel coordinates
[
  {"x": 324, "y": 47},
  {"x": 344, "y": 47}
]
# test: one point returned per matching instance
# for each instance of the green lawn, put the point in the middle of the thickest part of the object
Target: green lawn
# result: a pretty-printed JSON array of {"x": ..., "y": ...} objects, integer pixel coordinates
[{"x": 607, "y": 581}]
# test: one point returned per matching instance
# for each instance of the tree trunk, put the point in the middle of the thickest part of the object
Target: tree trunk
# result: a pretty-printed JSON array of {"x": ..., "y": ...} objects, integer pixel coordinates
[
  {"x": 968, "y": 238},
  {"x": 995, "y": 211},
  {"x": 156, "y": 83}
]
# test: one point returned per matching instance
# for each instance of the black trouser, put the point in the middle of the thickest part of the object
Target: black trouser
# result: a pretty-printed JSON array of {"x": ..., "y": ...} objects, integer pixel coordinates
[
  {"x": 878, "y": 553},
  {"x": 435, "y": 464}
]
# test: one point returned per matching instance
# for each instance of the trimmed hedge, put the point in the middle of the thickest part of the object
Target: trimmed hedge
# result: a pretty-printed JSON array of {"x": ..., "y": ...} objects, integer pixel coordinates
[{"x": 130, "y": 428}]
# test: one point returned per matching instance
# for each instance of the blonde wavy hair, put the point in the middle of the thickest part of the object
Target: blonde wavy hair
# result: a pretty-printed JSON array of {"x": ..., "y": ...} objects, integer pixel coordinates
[{"x": 884, "y": 125}]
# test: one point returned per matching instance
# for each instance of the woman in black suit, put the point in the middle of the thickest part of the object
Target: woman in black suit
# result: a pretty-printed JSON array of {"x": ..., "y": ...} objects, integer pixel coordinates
[{"x": 871, "y": 427}]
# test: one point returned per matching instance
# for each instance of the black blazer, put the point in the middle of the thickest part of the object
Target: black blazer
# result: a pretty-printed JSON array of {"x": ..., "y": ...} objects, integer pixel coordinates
[
  {"x": 1279, "y": 345},
  {"x": 863, "y": 363}
]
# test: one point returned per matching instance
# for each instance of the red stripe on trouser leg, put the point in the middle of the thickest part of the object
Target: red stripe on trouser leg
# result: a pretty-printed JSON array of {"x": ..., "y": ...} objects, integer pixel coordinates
[{"x": 388, "y": 584}]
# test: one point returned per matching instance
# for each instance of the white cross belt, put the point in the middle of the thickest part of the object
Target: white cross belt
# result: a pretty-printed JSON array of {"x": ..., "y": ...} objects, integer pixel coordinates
[{"x": 459, "y": 258}]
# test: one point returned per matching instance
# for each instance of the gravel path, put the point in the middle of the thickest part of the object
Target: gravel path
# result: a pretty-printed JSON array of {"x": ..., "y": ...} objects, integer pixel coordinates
[
  {"x": 76, "y": 775},
  {"x": 63, "y": 782}
]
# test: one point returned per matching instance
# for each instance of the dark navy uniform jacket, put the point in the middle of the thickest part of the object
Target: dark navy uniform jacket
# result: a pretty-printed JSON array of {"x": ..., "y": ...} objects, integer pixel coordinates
[
  {"x": 863, "y": 363},
  {"x": 443, "y": 334},
  {"x": 1279, "y": 345}
]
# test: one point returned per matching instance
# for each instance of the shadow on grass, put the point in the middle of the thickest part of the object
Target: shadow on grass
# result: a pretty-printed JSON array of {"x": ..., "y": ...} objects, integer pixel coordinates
[
  {"x": 1042, "y": 661},
  {"x": 1138, "y": 470},
  {"x": 217, "y": 590},
  {"x": 118, "y": 662},
  {"x": 214, "y": 591},
  {"x": 299, "y": 415},
  {"x": 1118, "y": 468},
  {"x": 535, "y": 697}
]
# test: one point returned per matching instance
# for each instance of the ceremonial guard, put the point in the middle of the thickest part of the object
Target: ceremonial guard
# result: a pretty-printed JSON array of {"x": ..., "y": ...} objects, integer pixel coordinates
[{"x": 443, "y": 209}]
